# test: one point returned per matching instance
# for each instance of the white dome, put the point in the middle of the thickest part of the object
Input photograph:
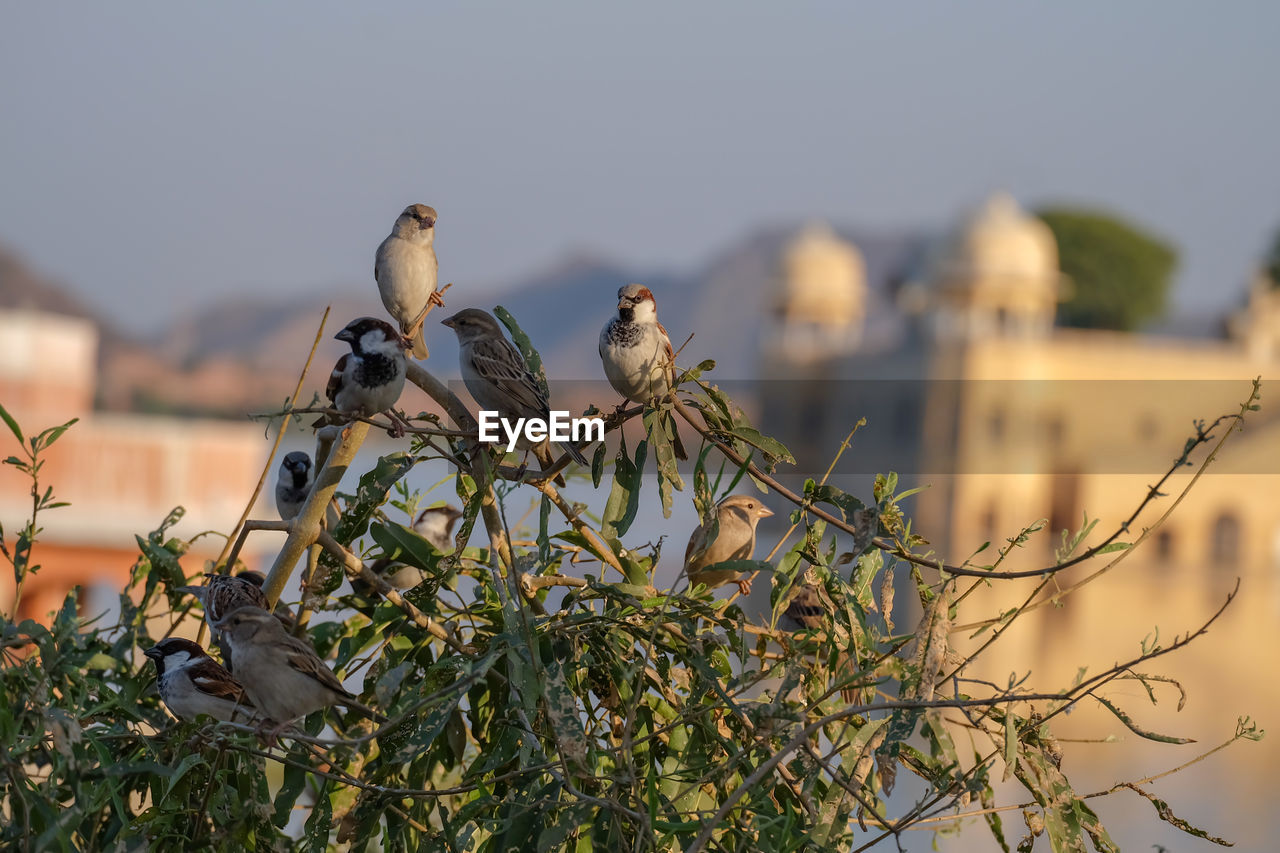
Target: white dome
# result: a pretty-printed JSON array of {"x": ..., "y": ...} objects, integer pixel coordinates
[
  {"x": 999, "y": 239},
  {"x": 823, "y": 279}
]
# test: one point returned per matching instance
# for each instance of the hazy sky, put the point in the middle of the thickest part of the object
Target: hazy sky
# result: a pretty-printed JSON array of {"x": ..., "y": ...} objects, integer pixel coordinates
[{"x": 155, "y": 154}]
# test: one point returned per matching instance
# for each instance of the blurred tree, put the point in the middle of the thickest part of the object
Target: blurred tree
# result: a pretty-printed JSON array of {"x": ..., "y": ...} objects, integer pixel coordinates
[
  {"x": 1271, "y": 261},
  {"x": 1120, "y": 274}
]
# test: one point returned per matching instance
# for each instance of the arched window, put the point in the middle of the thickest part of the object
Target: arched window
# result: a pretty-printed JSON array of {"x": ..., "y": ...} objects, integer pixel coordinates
[{"x": 1224, "y": 541}]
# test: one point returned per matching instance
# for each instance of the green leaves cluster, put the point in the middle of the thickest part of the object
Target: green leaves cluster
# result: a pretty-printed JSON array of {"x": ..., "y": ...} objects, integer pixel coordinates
[{"x": 593, "y": 713}]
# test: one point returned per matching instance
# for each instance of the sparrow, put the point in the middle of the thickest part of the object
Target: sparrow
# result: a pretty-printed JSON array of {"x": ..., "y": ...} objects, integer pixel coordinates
[
  {"x": 435, "y": 524},
  {"x": 498, "y": 378},
  {"x": 405, "y": 268},
  {"x": 811, "y": 609},
  {"x": 369, "y": 379},
  {"x": 636, "y": 352},
  {"x": 293, "y": 483},
  {"x": 293, "y": 487},
  {"x": 191, "y": 683},
  {"x": 222, "y": 594},
  {"x": 734, "y": 539},
  {"x": 282, "y": 674}
]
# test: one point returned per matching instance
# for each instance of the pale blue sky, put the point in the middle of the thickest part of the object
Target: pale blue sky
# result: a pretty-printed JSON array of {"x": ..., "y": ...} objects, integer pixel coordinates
[{"x": 154, "y": 154}]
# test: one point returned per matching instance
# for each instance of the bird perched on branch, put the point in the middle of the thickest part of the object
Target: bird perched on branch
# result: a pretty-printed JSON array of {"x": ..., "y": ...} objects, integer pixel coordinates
[
  {"x": 405, "y": 268},
  {"x": 282, "y": 674},
  {"x": 810, "y": 608},
  {"x": 498, "y": 378},
  {"x": 637, "y": 355},
  {"x": 222, "y": 594},
  {"x": 732, "y": 537},
  {"x": 369, "y": 379},
  {"x": 435, "y": 524},
  {"x": 294, "y": 482},
  {"x": 192, "y": 683}
]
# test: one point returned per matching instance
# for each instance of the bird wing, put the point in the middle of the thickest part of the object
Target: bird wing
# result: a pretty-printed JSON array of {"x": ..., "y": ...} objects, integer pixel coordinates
[
  {"x": 211, "y": 678},
  {"x": 807, "y": 608},
  {"x": 500, "y": 364},
  {"x": 335, "y": 379},
  {"x": 666, "y": 342},
  {"x": 304, "y": 659},
  {"x": 696, "y": 548}
]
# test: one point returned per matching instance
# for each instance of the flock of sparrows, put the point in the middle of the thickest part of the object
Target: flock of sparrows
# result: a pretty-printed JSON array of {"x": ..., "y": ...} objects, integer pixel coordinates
[{"x": 270, "y": 676}]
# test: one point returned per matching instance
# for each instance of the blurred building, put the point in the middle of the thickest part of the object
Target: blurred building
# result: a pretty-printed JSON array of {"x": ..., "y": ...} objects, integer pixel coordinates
[
  {"x": 121, "y": 474},
  {"x": 1008, "y": 419}
]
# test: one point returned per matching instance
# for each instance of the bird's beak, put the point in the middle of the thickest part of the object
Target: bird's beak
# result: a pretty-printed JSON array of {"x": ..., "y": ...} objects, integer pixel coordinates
[
  {"x": 154, "y": 653},
  {"x": 426, "y": 223},
  {"x": 764, "y": 512},
  {"x": 448, "y": 321},
  {"x": 345, "y": 335}
]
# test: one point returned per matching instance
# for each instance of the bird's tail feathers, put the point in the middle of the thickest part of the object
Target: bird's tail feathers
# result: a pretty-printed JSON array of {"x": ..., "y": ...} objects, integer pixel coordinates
[
  {"x": 419, "y": 350},
  {"x": 575, "y": 453}
]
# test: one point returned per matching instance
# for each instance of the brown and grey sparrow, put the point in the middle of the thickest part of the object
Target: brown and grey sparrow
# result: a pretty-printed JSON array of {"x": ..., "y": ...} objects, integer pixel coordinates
[{"x": 734, "y": 539}]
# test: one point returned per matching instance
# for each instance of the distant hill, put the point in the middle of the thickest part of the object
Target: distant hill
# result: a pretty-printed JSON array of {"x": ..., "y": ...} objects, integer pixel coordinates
[{"x": 243, "y": 354}]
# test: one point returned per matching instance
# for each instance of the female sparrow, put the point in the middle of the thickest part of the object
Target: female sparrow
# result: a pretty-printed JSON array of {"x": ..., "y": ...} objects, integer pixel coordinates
[
  {"x": 497, "y": 377},
  {"x": 811, "y": 609},
  {"x": 435, "y": 524},
  {"x": 191, "y": 683},
  {"x": 282, "y": 674},
  {"x": 369, "y": 379},
  {"x": 405, "y": 268},
  {"x": 637, "y": 354},
  {"x": 734, "y": 538},
  {"x": 222, "y": 594}
]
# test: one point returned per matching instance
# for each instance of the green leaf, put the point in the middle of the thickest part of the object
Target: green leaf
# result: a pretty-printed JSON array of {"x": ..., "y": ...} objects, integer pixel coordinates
[
  {"x": 1135, "y": 728},
  {"x": 405, "y": 545},
  {"x": 531, "y": 358},
  {"x": 52, "y": 434},
  {"x": 1166, "y": 814},
  {"x": 775, "y": 450},
  {"x": 624, "y": 497},
  {"x": 597, "y": 464},
  {"x": 12, "y": 424},
  {"x": 658, "y": 426}
]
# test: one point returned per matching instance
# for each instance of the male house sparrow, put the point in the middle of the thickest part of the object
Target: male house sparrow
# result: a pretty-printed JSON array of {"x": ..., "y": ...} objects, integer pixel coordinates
[
  {"x": 405, "y": 269},
  {"x": 734, "y": 539},
  {"x": 293, "y": 486},
  {"x": 435, "y": 524},
  {"x": 282, "y": 674},
  {"x": 369, "y": 379},
  {"x": 497, "y": 377},
  {"x": 637, "y": 354},
  {"x": 192, "y": 683}
]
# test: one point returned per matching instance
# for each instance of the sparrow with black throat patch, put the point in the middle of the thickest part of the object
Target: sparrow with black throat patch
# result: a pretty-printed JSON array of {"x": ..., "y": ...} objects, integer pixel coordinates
[
  {"x": 405, "y": 268},
  {"x": 191, "y": 683},
  {"x": 294, "y": 482},
  {"x": 369, "y": 379},
  {"x": 496, "y": 375},
  {"x": 732, "y": 537},
  {"x": 282, "y": 674},
  {"x": 637, "y": 356}
]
